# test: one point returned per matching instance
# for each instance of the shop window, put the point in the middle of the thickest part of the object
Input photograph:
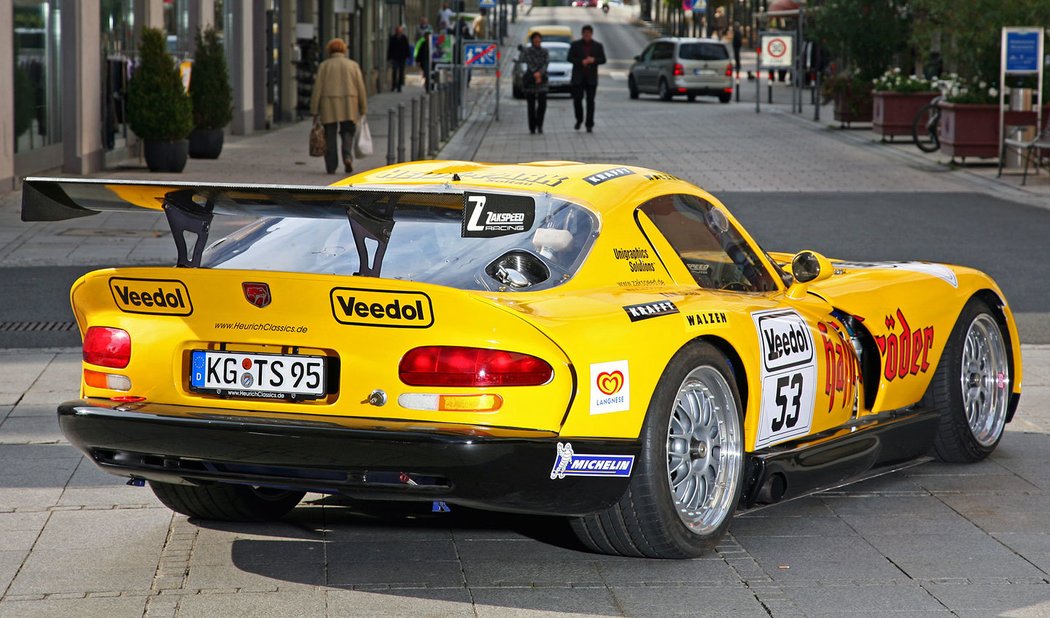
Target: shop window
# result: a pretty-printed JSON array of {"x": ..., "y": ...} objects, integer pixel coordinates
[{"x": 38, "y": 102}]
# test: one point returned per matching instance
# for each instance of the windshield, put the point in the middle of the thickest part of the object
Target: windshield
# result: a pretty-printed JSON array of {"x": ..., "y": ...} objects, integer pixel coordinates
[
  {"x": 558, "y": 54},
  {"x": 426, "y": 243},
  {"x": 703, "y": 51}
]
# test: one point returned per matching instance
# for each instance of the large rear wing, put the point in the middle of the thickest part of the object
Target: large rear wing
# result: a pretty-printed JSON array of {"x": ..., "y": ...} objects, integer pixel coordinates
[{"x": 190, "y": 207}]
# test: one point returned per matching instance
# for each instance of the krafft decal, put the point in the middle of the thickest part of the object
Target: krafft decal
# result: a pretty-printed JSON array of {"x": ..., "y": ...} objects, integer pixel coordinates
[
  {"x": 610, "y": 387},
  {"x": 645, "y": 311},
  {"x": 600, "y": 177},
  {"x": 491, "y": 215},
  {"x": 257, "y": 294},
  {"x": 789, "y": 376},
  {"x": 841, "y": 363},
  {"x": 363, "y": 307},
  {"x": 568, "y": 463},
  {"x": 905, "y": 353},
  {"x": 151, "y": 296}
]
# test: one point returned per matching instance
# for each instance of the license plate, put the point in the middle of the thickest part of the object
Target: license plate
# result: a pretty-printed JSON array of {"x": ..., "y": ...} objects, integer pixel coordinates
[
  {"x": 261, "y": 376},
  {"x": 704, "y": 72}
]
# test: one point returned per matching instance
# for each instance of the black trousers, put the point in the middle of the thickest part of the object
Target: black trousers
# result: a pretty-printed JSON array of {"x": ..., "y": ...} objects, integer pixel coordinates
[
  {"x": 346, "y": 134},
  {"x": 578, "y": 92},
  {"x": 397, "y": 77},
  {"x": 537, "y": 105}
]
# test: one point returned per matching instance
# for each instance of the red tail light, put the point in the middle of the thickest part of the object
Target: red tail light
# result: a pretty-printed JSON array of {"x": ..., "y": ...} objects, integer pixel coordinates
[
  {"x": 456, "y": 366},
  {"x": 678, "y": 70},
  {"x": 729, "y": 70},
  {"x": 107, "y": 347}
]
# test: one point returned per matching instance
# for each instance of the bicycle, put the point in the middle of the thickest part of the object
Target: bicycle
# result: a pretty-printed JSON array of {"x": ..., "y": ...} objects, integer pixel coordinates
[{"x": 926, "y": 126}]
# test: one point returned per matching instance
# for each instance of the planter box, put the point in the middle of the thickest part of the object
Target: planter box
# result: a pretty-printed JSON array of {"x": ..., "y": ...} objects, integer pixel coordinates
[
  {"x": 970, "y": 130},
  {"x": 854, "y": 107},
  {"x": 893, "y": 112}
]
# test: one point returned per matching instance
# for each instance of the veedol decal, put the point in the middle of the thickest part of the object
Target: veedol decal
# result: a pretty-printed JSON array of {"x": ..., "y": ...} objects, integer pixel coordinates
[
  {"x": 935, "y": 270},
  {"x": 789, "y": 376},
  {"x": 568, "y": 463},
  {"x": 363, "y": 307},
  {"x": 488, "y": 216},
  {"x": 610, "y": 387},
  {"x": 905, "y": 353},
  {"x": 644, "y": 311},
  {"x": 151, "y": 296},
  {"x": 600, "y": 177}
]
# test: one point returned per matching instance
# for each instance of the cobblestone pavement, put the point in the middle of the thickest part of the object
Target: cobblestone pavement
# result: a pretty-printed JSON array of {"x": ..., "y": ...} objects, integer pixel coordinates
[{"x": 932, "y": 540}]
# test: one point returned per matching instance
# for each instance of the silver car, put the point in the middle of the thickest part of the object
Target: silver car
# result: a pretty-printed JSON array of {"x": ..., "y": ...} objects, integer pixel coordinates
[
  {"x": 671, "y": 67},
  {"x": 559, "y": 70}
]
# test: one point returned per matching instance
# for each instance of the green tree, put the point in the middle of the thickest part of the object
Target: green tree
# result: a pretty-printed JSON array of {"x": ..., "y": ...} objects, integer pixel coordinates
[
  {"x": 210, "y": 83},
  {"x": 865, "y": 36},
  {"x": 158, "y": 106}
]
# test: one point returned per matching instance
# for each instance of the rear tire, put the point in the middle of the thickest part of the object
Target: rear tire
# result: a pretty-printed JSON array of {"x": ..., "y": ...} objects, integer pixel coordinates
[
  {"x": 632, "y": 88},
  {"x": 925, "y": 129},
  {"x": 725, "y": 97},
  {"x": 224, "y": 502},
  {"x": 664, "y": 90},
  {"x": 689, "y": 476},
  {"x": 971, "y": 387},
  {"x": 691, "y": 97}
]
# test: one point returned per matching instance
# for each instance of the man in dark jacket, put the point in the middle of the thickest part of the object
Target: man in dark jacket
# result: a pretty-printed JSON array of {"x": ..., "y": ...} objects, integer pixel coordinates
[
  {"x": 585, "y": 54},
  {"x": 397, "y": 53}
]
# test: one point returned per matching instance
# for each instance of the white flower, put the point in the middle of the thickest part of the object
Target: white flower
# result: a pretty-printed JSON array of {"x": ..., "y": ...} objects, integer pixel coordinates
[
  {"x": 992, "y": 92},
  {"x": 982, "y": 85},
  {"x": 896, "y": 70}
]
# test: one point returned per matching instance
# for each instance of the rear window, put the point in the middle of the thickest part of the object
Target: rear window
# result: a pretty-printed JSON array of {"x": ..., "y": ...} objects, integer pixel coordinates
[
  {"x": 558, "y": 54},
  {"x": 703, "y": 51},
  {"x": 426, "y": 244}
]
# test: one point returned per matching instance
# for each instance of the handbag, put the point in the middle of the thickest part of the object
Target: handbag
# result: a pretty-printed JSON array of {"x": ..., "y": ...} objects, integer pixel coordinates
[
  {"x": 317, "y": 143},
  {"x": 362, "y": 139}
]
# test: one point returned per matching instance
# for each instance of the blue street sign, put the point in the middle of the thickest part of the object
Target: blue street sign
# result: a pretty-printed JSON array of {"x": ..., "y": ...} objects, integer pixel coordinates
[
  {"x": 479, "y": 53},
  {"x": 1022, "y": 52},
  {"x": 487, "y": 4}
]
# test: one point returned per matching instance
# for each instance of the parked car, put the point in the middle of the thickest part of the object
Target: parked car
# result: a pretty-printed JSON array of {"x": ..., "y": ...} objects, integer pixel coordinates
[
  {"x": 671, "y": 67},
  {"x": 551, "y": 33},
  {"x": 559, "y": 70},
  {"x": 590, "y": 4},
  {"x": 601, "y": 342}
]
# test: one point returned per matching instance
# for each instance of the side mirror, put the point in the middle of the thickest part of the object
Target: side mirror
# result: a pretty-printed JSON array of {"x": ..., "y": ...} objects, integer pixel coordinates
[
  {"x": 808, "y": 267},
  {"x": 638, "y": 58}
]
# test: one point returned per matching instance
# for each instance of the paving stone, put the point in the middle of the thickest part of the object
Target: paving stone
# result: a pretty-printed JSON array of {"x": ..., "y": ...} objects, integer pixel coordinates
[
  {"x": 638, "y": 571},
  {"x": 726, "y": 600},
  {"x": 826, "y": 561},
  {"x": 91, "y": 486},
  {"x": 85, "y": 570},
  {"x": 530, "y": 573},
  {"x": 29, "y": 429},
  {"x": 790, "y": 526},
  {"x": 243, "y": 551},
  {"x": 929, "y": 556},
  {"x": 1019, "y": 600},
  {"x": 525, "y": 550},
  {"x": 25, "y": 409},
  {"x": 10, "y": 561},
  {"x": 19, "y": 531},
  {"x": 247, "y": 605},
  {"x": 254, "y": 575},
  {"x": 1004, "y": 513},
  {"x": 1033, "y": 547},
  {"x": 838, "y": 600},
  {"x": 533, "y": 602},
  {"x": 887, "y": 505},
  {"x": 119, "y": 607},
  {"x": 346, "y": 571},
  {"x": 436, "y": 603},
  {"x": 391, "y": 550},
  {"x": 132, "y": 532}
]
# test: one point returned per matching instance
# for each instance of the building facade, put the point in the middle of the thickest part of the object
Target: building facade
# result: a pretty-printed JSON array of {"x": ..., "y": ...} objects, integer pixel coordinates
[{"x": 65, "y": 68}]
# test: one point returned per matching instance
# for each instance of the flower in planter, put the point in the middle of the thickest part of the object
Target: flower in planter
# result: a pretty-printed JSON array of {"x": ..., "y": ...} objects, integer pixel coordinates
[
  {"x": 894, "y": 80},
  {"x": 975, "y": 91}
]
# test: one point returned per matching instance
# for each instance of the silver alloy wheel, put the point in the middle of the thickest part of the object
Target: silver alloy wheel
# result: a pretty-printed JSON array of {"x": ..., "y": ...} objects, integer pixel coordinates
[
  {"x": 704, "y": 450},
  {"x": 985, "y": 379}
]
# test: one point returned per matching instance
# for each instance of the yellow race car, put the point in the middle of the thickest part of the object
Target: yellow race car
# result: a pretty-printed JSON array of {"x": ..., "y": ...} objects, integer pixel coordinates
[{"x": 598, "y": 342}]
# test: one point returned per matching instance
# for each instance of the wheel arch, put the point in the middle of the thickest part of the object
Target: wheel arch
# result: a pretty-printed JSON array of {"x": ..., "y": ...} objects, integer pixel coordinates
[
  {"x": 997, "y": 303},
  {"x": 735, "y": 363}
]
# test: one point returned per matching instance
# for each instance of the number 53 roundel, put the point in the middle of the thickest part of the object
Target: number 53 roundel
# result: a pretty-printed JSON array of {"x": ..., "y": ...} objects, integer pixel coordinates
[{"x": 789, "y": 376}]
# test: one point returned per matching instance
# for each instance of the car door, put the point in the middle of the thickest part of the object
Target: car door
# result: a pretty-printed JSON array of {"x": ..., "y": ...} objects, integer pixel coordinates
[
  {"x": 642, "y": 71},
  {"x": 797, "y": 353},
  {"x": 662, "y": 63}
]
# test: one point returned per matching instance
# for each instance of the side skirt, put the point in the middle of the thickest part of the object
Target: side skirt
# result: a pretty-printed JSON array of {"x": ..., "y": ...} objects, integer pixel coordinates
[{"x": 792, "y": 471}]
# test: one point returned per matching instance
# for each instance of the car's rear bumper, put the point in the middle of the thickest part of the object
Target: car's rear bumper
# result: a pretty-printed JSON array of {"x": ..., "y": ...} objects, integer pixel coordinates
[{"x": 507, "y": 470}]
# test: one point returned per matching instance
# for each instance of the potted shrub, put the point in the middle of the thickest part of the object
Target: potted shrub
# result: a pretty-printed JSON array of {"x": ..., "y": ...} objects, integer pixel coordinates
[
  {"x": 211, "y": 95},
  {"x": 159, "y": 110},
  {"x": 970, "y": 119},
  {"x": 896, "y": 99},
  {"x": 852, "y": 97}
]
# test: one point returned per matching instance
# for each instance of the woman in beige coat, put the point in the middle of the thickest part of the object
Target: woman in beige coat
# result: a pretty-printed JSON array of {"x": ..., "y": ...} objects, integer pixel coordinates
[{"x": 340, "y": 99}]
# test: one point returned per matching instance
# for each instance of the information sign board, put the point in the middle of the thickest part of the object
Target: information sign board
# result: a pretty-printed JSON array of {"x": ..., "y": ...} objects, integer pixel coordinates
[{"x": 777, "y": 51}]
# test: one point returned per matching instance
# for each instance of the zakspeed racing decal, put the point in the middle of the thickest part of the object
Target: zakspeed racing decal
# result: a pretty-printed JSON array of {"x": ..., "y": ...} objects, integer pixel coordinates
[
  {"x": 610, "y": 387},
  {"x": 600, "y": 177},
  {"x": 789, "y": 376},
  {"x": 645, "y": 311},
  {"x": 363, "y": 307},
  {"x": 151, "y": 296},
  {"x": 568, "y": 463},
  {"x": 907, "y": 353},
  {"x": 491, "y": 215}
]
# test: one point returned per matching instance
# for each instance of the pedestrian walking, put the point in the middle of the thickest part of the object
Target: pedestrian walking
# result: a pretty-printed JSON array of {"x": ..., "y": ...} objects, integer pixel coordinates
[
  {"x": 444, "y": 20},
  {"x": 422, "y": 56},
  {"x": 534, "y": 82},
  {"x": 423, "y": 28},
  {"x": 397, "y": 54},
  {"x": 340, "y": 100},
  {"x": 481, "y": 24},
  {"x": 738, "y": 42},
  {"x": 585, "y": 54}
]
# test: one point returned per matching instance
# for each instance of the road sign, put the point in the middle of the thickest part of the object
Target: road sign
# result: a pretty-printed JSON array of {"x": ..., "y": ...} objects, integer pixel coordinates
[
  {"x": 487, "y": 4},
  {"x": 482, "y": 54},
  {"x": 777, "y": 51},
  {"x": 1022, "y": 49}
]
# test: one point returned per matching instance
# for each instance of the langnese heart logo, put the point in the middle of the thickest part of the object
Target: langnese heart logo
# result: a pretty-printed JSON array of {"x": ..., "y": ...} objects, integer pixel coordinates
[{"x": 610, "y": 383}]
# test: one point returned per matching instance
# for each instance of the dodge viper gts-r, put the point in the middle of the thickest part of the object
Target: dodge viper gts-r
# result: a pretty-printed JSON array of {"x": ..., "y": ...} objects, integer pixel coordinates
[{"x": 600, "y": 342}]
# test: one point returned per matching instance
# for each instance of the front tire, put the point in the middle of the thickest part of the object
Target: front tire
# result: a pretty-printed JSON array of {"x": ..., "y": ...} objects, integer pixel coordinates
[
  {"x": 632, "y": 88},
  {"x": 689, "y": 476},
  {"x": 971, "y": 387},
  {"x": 725, "y": 97},
  {"x": 224, "y": 502}
]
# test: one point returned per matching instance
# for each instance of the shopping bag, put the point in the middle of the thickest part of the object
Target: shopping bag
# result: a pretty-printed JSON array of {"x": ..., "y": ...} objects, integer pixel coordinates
[
  {"x": 362, "y": 139},
  {"x": 317, "y": 145}
]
